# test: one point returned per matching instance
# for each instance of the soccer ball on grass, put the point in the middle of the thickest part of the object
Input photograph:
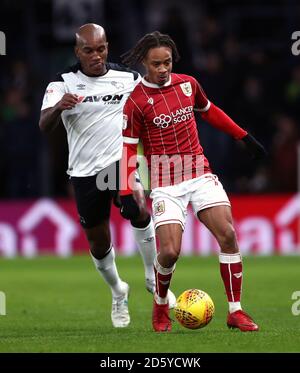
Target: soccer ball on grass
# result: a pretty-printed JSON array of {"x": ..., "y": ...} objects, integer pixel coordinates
[{"x": 194, "y": 309}]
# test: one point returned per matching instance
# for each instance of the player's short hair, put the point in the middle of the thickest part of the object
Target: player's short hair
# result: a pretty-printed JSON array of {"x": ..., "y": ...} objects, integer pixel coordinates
[{"x": 153, "y": 40}]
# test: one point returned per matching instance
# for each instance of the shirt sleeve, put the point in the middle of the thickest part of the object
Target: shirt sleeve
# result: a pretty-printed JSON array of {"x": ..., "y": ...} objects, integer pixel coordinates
[
  {"x": 132, "y": 122},
  {"x": 54, "y": 93},
  {"x": 220, "y": 120},
  {"x": 137, "y": 80},
  {"x": 202, "y": 103}
]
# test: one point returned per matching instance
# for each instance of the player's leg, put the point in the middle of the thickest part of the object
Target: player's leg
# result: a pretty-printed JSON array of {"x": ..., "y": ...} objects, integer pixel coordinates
[
  {"x": 94, "y": 211},
  {"x": 218, "y": 220},
  {"x": 144, "y": 234},
  {"x": 169, "y": 218},
  {"x": 212, "y": 207},
  {"x": 103, "y": 256},
  {"x": 169, "y": 236},
  {"x": 142, "y": 227}
]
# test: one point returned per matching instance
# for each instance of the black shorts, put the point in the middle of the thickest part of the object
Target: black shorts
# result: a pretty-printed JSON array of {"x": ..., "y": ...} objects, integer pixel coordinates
[
  {"x": 94, "y": 204},
  {"x": 92, "y": 200}
]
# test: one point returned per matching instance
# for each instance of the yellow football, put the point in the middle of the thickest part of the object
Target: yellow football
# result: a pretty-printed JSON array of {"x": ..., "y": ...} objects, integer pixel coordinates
[{"x": 194, "y": 309}]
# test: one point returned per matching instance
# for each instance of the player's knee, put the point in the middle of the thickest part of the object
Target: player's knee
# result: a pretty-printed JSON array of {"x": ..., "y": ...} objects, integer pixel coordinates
[
  {"x": 141, "y": 202},
  {"x": 227, "y": 238},
  {"x": 170, "y": 255},
  {"x": 143, "y": 219},
  {"x": 144, "y": 214}
]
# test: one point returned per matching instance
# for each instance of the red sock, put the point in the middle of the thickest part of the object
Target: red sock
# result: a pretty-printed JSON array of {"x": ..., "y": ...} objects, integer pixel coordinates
[
  {"x": 232, "y": 274},
  {"x": 162, "y": 279}
]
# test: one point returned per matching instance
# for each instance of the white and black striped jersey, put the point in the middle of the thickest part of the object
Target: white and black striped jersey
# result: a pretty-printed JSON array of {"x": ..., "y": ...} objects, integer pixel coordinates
[{"x": 94, "y": 125}]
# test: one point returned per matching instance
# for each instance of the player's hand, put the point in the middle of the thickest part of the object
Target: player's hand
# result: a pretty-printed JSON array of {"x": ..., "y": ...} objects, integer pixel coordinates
[
  {"x": 129, "y": 209},
  {"x": 67, "y": 102},
  {"x": 256, "y": 149}
]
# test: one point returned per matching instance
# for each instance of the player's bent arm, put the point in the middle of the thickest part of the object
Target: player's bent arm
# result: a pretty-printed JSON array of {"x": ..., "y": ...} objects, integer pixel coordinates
[
  {"x": 129, "y": 209},
  {"x": 50, "y": 117},
  {"x": 132, "y": 121},
  {"x": 128, "y": 166}
]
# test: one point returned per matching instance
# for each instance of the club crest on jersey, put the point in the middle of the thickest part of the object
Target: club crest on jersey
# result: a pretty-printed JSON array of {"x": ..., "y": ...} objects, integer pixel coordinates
[
  {"x": 186, "y": 88},
  {"x": 159, "y": 208},
  {"x": 118, "y": 85},
  {"x": 150, "y": 101}
]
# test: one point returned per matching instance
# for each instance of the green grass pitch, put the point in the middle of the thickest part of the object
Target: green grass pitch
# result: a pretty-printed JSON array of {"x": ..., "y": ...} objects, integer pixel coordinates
[{"x": 62, "y": 305}]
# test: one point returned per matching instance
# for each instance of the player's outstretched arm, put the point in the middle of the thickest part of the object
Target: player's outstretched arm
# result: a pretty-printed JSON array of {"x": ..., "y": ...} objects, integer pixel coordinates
[
  {"x": 220, "y": 120},
  {"x": 256, "y": 149}
]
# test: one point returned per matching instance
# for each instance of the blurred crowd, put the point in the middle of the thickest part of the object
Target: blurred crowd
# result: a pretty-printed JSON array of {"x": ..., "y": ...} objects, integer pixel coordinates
[{"x": 239, "y": 51}]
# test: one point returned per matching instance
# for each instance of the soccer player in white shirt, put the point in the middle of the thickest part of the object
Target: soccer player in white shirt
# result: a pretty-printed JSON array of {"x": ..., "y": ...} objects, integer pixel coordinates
[{"x": 89, "y": 98}]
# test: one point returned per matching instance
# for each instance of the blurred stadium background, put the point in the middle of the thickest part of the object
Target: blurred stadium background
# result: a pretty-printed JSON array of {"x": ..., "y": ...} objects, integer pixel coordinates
[{"x": 239, "y": 51}]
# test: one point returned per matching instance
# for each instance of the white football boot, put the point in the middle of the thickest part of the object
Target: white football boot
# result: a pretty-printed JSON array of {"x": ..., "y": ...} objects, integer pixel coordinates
[
  {"x": 119, "y": 313},
  {"x": 171, "y": 299},
  {"x": 150, "y": 286}
]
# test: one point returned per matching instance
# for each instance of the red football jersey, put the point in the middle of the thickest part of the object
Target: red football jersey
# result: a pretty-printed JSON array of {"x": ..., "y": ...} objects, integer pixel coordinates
[{"x": 163, "y": 119}]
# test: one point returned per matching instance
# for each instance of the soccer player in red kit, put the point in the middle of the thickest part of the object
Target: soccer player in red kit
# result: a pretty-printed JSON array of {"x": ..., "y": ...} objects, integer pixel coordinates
[{"x": 160, "y": 113}]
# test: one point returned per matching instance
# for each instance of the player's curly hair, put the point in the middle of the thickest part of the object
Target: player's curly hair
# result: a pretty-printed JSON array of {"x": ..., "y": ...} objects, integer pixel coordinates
[{"x": 153, "y": 40}]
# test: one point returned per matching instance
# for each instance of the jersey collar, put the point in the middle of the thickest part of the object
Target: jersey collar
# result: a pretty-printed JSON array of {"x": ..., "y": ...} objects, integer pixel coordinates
[
  {"x": 152, "y": 85},
  {"x": 79, "y": 68}
]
